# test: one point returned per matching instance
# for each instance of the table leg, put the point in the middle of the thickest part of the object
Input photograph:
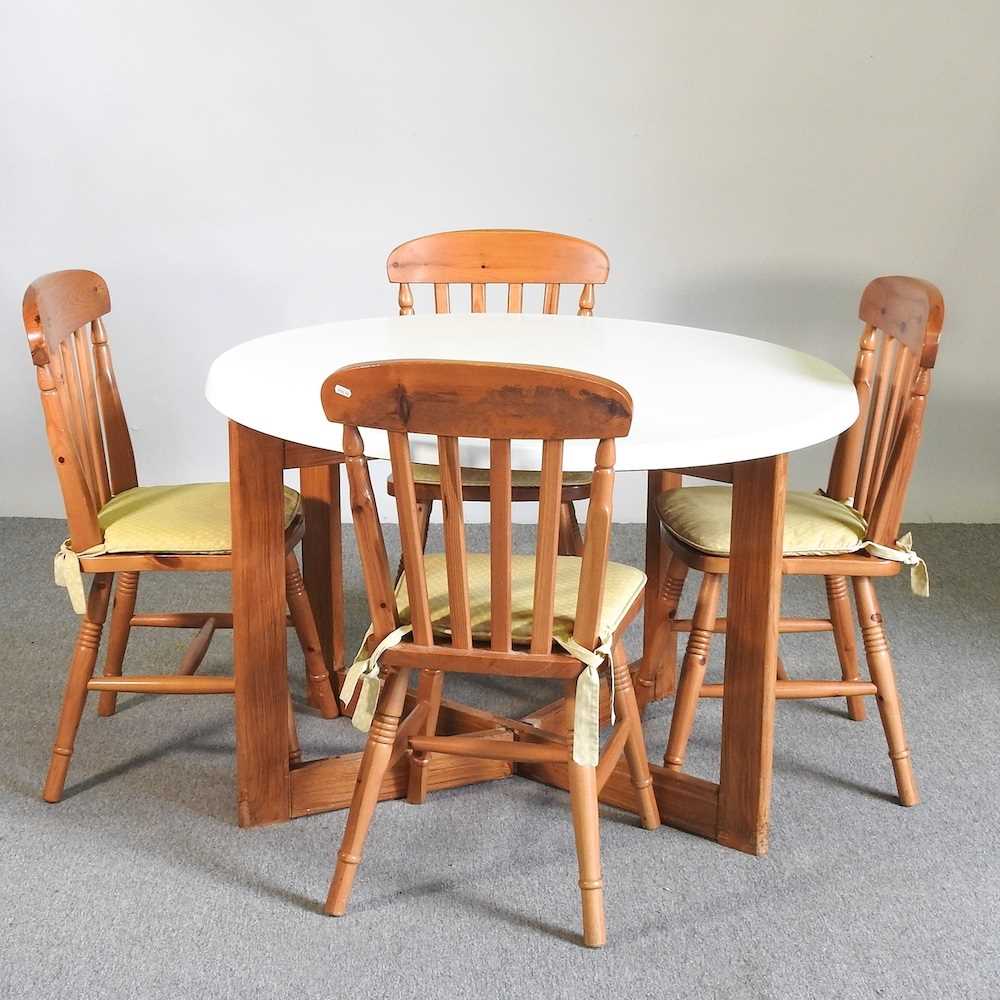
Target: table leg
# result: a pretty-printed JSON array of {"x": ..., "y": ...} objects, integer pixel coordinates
[
  {"x": 322, "y": 558},
  {"x": 657, "y": 556},
  {"x": 259, "y": 652},
  {"x": 754, "y": 607}
]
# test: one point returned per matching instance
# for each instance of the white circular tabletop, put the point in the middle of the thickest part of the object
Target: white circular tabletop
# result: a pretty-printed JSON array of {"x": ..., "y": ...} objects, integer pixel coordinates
[{"x": 700, "y": 397}]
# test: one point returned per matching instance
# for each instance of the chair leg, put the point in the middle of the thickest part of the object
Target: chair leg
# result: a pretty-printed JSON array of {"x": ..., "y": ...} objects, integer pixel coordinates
[
  {"x": 121, "y": 624},
  {"x": 570, "y": 536},
  {"x": 843, "y": 636},
  {"x": 635, "y": 745},
  {"x": 884, "y": 679},
  {"x": 81, "y": 669},
  {"x": 374, "y": 763},
  {"x": 317, "y": 678},
  {"x": 586, "y": 831},
  {"x": 294, "y": 750},
  {"x": 429, "y": 689},
  {"x": 660, "y": 660},
  {"x": 693, "y": 671}
]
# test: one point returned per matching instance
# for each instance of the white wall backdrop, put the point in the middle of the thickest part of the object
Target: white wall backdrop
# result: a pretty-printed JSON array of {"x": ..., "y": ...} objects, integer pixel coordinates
[{"x": 237, "y": 168}]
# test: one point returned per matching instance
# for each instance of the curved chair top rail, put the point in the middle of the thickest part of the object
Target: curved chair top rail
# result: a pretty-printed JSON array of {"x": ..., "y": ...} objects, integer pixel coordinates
[
  {"x": 57, "y": 304},
  {"x": 479, "y": 257},
  {"x": 477, "y": 399}
]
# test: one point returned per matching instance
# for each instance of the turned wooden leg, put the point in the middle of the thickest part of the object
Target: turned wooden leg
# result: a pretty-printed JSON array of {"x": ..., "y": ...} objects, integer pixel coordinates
[
  {"x": 570, "y": 536},
  {"x": 429, "y": 689},
  {"x": 586, "y": 831},
  {"x": 659, "y": 664},
  {"x": 424, "y": 511},
  {"x": 884, "y": 678},
  {"x": 374, "y": 763},
  {"x": 317, "y": 678},
  {"x": 635, "y": 745},
  {"x": 693, "y": 671},
  {"x": 843, "y": 636},
  {"x": 121, "y": 624},
  {"x": 81, "y": 669},
  {"x": 294, "y": 750}
]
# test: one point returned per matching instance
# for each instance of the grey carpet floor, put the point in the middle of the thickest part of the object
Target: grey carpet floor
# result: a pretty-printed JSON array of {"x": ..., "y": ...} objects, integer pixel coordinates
[{"x": 140, "y": 884}]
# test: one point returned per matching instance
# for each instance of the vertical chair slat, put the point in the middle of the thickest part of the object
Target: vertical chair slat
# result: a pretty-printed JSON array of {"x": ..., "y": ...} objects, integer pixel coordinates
[
  {"x": 547, "y": 546},
  {"x": 500, "y": 545},
  {"x": 118, "y": 443},
  {"x": 92, "y": 416},
  {"x": 884, "y": 523},
  {"x": 551, "y": 301},
  {"x": 844, "y": 469},
  {"x": 369, "y": 537},
  {"x": 515, "y": 297},
  {"x": 877, "y": 410},
  {"x": 411, "y": 536},
  {"x": 442, "y": 298},
  {"x": 405, "y": 300},
  {"x": 454, "y": 542},
  {"x": 586, "y": 301},
  {"x": 593, "y": 570},
  {"x": 73, "y": 400},
  {"x": 478, "y": 297},
  {"x": 901, "y": 385}
]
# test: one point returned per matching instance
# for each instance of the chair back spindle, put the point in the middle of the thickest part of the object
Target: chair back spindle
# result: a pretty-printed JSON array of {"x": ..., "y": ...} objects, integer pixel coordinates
[
  {"x": 450, "y": 400},
  {"x": 874, "y": 458},
  {"x": 84, "y": 418},
  {"x": 514, "y": 257}
]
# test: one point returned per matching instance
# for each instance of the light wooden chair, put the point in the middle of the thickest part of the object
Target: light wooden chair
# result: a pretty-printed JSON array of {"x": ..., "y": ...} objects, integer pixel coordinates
[
  {"x": 499, "y": 613},
  {"x": 119, "y": 527},
  {"x": 515, "y": 257},
  {"x": 847, "y": 532}
]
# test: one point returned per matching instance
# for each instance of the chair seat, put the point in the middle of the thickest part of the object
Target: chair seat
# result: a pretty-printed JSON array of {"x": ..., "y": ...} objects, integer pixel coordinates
[
  {"x": 193, "y": 517},
  {"x": 815, "y": 525},
  {"x": 430, "y": 475},
  {"x": 623, "y": 585}
]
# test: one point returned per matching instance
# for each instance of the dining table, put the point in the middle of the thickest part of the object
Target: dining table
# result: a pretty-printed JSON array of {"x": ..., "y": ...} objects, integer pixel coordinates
[{"x": 706, "y": 403}]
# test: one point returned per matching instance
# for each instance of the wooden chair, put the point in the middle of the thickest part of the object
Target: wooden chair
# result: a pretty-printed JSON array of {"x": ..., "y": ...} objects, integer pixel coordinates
[
  {"x": 498, "y": 613},
  {"x": 111, "y": 518},
  {"x": 516, "y": 257},
  {"x": 848, "y": 532}
]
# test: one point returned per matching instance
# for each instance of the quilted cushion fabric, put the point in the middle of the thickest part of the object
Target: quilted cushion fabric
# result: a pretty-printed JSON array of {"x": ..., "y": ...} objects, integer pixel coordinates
[
  {"x": 623, "y": 585},
  {"x": 815, "y": 525},
  {"x": 193, "y": 517}
]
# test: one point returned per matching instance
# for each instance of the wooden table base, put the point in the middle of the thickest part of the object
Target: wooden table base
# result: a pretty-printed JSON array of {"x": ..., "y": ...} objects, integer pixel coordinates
[{"x": 733, "y": 812}]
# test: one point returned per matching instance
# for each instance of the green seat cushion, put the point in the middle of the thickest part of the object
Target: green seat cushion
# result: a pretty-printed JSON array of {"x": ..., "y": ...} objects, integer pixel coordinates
[
  {"x": 815, "y": 525},
  {"x": 193, "y": 517},
  {"x": 622, "y": 586}
]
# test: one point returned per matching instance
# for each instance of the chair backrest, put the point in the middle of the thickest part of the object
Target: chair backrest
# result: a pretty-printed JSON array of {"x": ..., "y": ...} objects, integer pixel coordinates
[
  {"x": 84, "y": 418},
  {"x": 516, "y": 257},
  {"x": 453, "y": 399},
  {"x": 874, "y": 458}
]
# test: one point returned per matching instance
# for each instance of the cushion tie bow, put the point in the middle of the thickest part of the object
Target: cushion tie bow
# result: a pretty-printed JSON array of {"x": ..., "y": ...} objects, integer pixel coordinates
[
  {"x": 587, "y": 713},
  {"x": 903, "y": 553},
  {"x": 364, "y": 671}
]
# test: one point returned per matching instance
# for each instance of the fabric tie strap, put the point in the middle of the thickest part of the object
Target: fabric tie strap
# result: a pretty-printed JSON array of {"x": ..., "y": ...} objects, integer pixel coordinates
[
  {"x": 587, "y": 714},
  {"x": 903, "y": 553},
  {"x": 364, "y": 671},
  {"x": 67, "y": 573}
]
